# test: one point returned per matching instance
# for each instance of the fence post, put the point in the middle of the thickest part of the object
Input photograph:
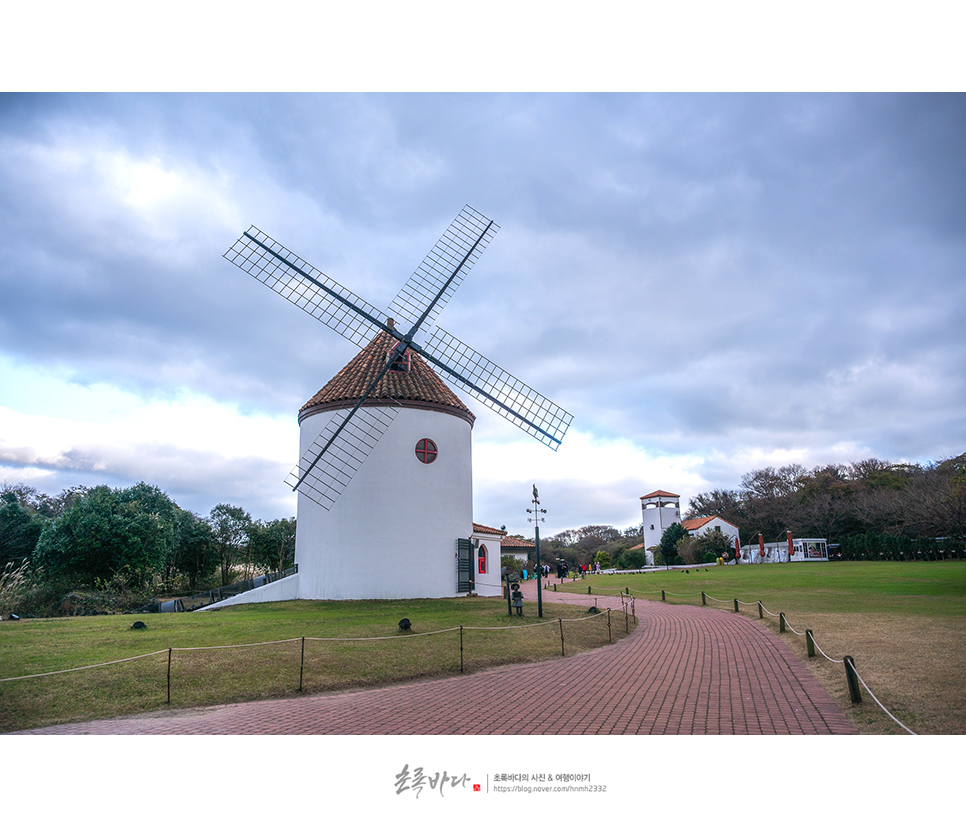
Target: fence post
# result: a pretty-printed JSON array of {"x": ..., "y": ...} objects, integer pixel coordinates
[
  {"x": 781, "y": 622},
  {"x": 588, "y": 589},
  {"x": 703, "y": 600},
  {"x": 810, "y": 642},
  {"x": 853, "y": 680},
  {"x": 760, "y": 613},
  {"x": 663, "y": 599},
  {"x": 736, "y": 606},
  {"x": 610, "y": 637},
  {"x": 461, "y": 650},
  {"x": 302, "y": 663},
  {"x": 560, "y": 623},
  {"x": 169, "y": 674}
]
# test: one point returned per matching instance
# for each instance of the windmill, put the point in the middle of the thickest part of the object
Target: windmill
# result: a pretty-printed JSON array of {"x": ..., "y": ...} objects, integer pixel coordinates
[{"x": 330, "y": 462}]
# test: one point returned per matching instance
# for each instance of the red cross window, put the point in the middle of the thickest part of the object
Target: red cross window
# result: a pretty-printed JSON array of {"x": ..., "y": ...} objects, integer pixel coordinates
[{"x": 426, "y": 451}]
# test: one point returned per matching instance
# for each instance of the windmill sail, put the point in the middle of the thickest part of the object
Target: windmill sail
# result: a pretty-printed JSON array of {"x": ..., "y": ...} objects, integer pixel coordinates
[
  {"x": 519, "y": 403},
  {"x": 306, "y": 287},
  {"x": 443, "y": 269},
  {"x": 346, "y": 444}
]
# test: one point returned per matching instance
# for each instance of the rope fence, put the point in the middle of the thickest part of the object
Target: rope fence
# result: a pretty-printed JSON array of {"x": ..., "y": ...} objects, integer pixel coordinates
[
  {"x": 576, "y": 636},
  {"x": 852, "y": 676}
]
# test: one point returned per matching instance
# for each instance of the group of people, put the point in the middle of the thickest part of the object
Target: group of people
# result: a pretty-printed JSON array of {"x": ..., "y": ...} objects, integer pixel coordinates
[{"x": 563, "y": 570}]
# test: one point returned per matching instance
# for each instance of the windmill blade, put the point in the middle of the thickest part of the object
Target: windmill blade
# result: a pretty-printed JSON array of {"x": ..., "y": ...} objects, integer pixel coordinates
[
  {"x": 305, "y": 286},
  {"x": 346, "y": 444},
  {"x": 504, "y": 393},
  {"x": 436, "y": 279}
]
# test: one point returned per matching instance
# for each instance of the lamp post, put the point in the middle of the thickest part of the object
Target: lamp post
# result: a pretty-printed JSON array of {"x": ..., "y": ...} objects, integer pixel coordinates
[{"x": 536, "y": 511}]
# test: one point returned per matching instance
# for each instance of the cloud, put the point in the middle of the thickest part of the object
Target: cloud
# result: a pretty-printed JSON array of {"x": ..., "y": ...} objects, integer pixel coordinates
[{"x": 704, "y": 281}]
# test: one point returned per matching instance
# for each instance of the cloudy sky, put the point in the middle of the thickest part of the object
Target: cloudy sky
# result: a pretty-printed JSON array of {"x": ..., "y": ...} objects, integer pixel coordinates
[{"x": 709, "y": 283}]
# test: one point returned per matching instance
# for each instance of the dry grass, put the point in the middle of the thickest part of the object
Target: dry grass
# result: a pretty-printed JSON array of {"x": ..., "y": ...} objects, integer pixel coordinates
[{"x": 913, "y": 665}]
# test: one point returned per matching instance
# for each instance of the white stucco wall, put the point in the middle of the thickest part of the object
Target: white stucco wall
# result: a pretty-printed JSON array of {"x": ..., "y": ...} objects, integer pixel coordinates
[
  {"x": 726, "y": 527},
  {"x": 659, "y": 517},
  {"x": 392, "y": 533}
]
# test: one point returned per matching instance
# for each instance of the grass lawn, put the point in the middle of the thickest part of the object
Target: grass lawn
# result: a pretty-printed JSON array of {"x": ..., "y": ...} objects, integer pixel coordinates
[
  {"x": 904, "y": 623},
  {"x": 242, "y": 672}
]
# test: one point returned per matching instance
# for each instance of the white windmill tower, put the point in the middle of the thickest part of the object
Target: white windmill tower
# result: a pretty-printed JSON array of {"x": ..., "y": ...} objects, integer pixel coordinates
[{"x": 385, "y": 477}]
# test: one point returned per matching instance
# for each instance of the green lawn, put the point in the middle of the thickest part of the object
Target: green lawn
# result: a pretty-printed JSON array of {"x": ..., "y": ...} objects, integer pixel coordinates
[
  {"x": 919, "y": 588},
  {"x": 242, "y": 672}
]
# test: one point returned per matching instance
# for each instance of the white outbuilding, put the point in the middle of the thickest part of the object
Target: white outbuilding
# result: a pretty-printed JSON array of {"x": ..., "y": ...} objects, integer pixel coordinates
[{"x": 402, "y": 527}]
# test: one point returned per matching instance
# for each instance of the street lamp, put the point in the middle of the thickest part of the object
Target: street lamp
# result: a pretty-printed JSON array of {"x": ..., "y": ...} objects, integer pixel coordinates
[{"x": 536, "y": 511}]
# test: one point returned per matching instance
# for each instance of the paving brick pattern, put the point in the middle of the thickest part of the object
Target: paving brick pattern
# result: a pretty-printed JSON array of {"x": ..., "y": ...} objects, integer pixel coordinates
[{"x": 686, "y": 670}]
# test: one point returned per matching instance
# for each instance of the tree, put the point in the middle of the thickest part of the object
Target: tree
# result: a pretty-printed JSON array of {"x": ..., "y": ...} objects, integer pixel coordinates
[
  {"x": 712, "y": 544},
  {"x": 230, "y": 526},
  {"x": 272, "y": 544},
  {"x": 668, "y": 546},
  {"x": 108, "y": 532},
  {"x": 195, "y": 555},
  {"x": 19, "y": 531},
  {"x": 725, "y": 503}
]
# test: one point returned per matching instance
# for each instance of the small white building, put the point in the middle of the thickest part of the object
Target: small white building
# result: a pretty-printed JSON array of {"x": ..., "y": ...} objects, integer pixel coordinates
[
  {"x": 803, "y": 550},
  {"x": 700, "y": 526},
  {"x": 488, "y": 551}
]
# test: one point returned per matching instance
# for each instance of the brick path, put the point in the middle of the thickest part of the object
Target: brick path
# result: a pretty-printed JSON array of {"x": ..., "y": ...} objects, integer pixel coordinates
[{"x": 686, "y": 670}]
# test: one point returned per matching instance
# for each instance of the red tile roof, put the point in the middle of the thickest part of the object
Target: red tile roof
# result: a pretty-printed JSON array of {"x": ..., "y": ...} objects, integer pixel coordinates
[
  {"x": 514, "y": 543},
  {"x": 696, "y": 523},
  {"x": 660, "y": 494},
  {"x": 420, "y": 387},
  {"x": 482, "y": 528}
]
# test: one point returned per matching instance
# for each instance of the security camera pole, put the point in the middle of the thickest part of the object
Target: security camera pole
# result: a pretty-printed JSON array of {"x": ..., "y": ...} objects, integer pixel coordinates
[{"x": 536, "y": 526}]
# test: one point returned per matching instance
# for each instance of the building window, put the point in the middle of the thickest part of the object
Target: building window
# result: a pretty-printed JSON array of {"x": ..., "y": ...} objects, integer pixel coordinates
[
  {"x": 402, "y": 363},
  {"x": 481, "y": 559},
  {"x": 426, "y": 451}
]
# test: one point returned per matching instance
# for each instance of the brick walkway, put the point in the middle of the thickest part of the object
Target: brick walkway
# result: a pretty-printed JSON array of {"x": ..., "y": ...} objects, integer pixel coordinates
[{"x": 687, "y": 670}]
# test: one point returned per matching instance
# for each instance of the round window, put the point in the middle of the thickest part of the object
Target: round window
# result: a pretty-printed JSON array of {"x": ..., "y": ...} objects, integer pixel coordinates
[{"x": 426, "y": 451}]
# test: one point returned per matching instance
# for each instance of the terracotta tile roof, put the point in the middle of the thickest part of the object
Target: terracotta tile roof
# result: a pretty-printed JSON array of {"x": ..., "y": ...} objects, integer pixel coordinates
[
  {"x": 696, "y": 523},
  {"x": 482, "y": 528},
  {"x": 514, "y": 543},
  {"x": 419, "y": 387},
  {"x": 660, "y": 494}
]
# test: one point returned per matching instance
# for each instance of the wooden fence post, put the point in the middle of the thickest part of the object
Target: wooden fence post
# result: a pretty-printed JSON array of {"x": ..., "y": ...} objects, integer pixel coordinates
[
  {"x": 302, "y": 663},
  {"x": 169, "y": 674},
  {"x": 810, "y": 642},
  {"x": 853, "y": 680},
  {"x": 760, "y": 612},
  {"x": 703, "y": 600},
  {"x": 781, "y": 622},
  {"x": 562, "y": 652},
  {"x": 736, "y": 606}
]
